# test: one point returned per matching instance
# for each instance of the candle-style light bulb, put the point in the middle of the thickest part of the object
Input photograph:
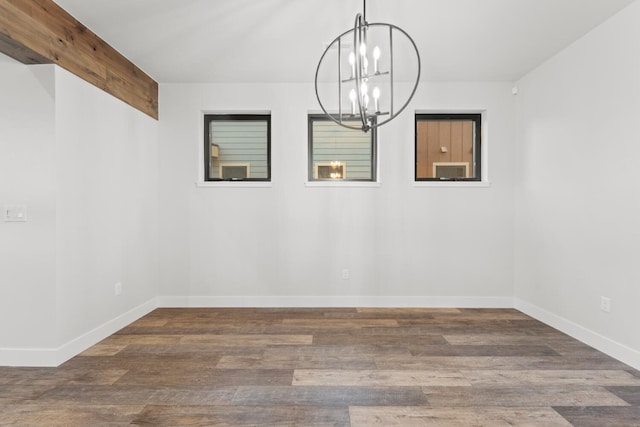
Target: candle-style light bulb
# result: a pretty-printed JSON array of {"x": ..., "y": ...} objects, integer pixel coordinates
[
  {"x": 376, "y": 98},
  {"x": 365, "y": 66},
  {"x": 352, "y": 62},
  {"x": 364, "y": 94},
  {"x": 376, "y": 56},
  {"x": 352, "y": 97},
  {"x": 363, "y": 49}
]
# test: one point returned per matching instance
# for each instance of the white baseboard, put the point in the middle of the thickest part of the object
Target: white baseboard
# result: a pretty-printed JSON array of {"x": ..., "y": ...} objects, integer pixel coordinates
[
  {"x": 29, "y": 357},
  {"x": 52, "y": 357},
  {"x": 334, "y": 301},
  {"x": 612, "y": 348}
]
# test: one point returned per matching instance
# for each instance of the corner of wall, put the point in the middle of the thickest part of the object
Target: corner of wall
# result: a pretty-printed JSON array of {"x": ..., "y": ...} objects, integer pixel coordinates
[{"x": 53, "y": 357}]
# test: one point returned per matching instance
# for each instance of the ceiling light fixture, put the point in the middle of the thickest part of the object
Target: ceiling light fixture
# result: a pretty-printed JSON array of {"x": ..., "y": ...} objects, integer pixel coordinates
[{"x": 355, "y": 75}]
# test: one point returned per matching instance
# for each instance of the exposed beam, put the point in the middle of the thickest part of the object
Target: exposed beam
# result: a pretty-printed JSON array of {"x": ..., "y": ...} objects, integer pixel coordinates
[{"x": 41, "y": 32}]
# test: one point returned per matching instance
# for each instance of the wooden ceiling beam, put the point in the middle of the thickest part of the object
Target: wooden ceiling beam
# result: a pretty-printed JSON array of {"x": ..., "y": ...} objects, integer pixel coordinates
[{"x": 41, "y": 32}]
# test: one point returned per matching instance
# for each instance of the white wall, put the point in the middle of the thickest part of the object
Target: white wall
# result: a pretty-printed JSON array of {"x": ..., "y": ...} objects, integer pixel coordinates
[
  {"x": 85, "y": 164},
  {"x": 106, "y": 212},
  {"x": 578, "y": 187},
  {"x": 105, "y": 204},
  {"x": 259, "y": 246},
  {"x": 27, "y": 176}
]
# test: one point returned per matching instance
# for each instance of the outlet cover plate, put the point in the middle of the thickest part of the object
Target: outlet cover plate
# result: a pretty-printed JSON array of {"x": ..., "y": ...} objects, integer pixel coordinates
[{"x": 15, "y": 213}]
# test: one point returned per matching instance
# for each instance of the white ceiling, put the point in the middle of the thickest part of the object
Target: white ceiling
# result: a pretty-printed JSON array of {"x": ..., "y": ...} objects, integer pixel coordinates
[{"x": 282, "y": 40}]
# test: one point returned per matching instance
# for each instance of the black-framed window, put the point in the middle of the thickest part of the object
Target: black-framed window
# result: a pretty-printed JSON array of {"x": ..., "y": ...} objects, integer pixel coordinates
[
  {"x": 237, "y": 147},
  {"x": 337, "y": 153},
  {"x": 447, "y": 147}
]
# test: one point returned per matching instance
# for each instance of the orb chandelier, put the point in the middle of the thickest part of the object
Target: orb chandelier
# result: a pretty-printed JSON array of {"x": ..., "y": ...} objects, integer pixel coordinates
[{"x": 367, "y": 90}]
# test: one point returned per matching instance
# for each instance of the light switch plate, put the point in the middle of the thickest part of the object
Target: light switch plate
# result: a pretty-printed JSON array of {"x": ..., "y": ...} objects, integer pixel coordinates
[{"x": 15, "y": 213}]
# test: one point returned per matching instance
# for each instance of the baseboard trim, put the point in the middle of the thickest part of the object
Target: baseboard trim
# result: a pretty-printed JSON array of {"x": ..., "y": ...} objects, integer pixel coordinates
[
  {"x": 53, "y": 357},
  {"x": 609, "y": 347},
  {"x": 334, "y": 301}
]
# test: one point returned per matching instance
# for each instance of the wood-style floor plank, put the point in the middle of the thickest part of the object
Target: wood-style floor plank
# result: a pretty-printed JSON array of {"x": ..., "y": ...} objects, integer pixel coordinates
[
  {"x": 599, "y": 416},
  {"x": 343, "y": 324},
  {"x": 521, "y": 396},
  {"x": 377, "y": 378},
  {"x": 329, "y": 396},
  {"x": 138, "y": 395},
  {"x": 379, "y": 340},
  {"x": 481, "y": 350},
  {"x": 496, "y": 362},
  {"x": 232, "y": 340},
  {"x": 295, "y": 361},
  {"x": 328, "y": 367},
  {"x": 459, "y": 417},
  {"x": 69, "y": 415},
  {"x": 239, "y": 416},
  {"x": 211, "y": 377},
  {"x": 506, "y": 339},
  {"x": 523, "y": 377},
  {"x": 630, "y": 394}
]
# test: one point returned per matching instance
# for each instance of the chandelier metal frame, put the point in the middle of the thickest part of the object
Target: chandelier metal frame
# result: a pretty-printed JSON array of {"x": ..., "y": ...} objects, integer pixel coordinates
[{"x": 367, "y": 119}]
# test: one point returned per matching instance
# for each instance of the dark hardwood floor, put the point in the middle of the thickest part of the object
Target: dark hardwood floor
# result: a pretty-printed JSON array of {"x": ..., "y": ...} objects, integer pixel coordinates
[{"x": 310, "y": 367}]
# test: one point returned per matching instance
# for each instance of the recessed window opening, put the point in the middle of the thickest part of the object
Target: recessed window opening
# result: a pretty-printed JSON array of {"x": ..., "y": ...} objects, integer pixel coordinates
[
  {"x": 448, "y": 147},
  {"x": 339, "y": 154},
  {"x": 237, "y": 147}
]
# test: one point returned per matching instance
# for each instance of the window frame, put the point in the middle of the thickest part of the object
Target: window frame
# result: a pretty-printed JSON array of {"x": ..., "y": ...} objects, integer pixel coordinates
[
  {"x": 311, "y": 118},
  {"x": 253, "y": 117},
  {"x": 477, "y": 144}
]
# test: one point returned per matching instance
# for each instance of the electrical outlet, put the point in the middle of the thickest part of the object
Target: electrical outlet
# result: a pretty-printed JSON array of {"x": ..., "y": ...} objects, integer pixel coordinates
[
  {"x": 118, "y": 288},
  {"x": 605, "y": 304},
  {"x": 346, "y": 274},
  {"x": 15, "y": 213}
]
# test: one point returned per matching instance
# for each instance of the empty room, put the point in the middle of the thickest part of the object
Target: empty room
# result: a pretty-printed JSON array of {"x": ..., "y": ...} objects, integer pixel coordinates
[{"x": 305, "y": 212}]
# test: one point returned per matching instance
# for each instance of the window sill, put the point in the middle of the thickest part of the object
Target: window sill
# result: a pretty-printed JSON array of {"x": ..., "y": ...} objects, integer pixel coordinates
[
  {"x": 338, "y": 184},
  {"x": 440, "y": 184},
  {"x": 234, "y": 184}
]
